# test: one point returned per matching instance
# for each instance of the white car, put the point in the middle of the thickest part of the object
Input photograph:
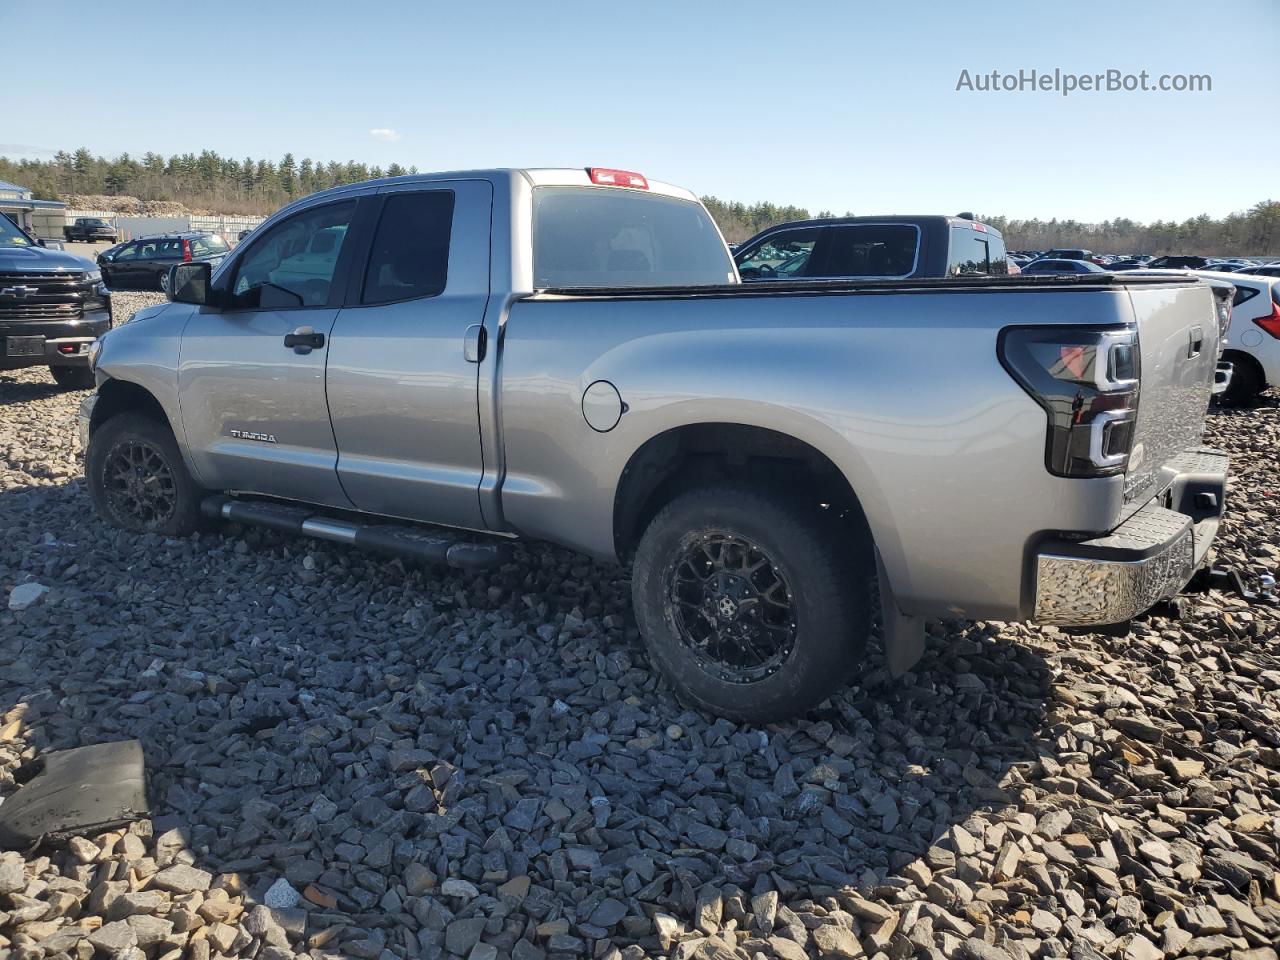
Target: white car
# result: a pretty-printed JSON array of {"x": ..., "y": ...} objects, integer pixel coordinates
[{"x": 1253, "y": 341}]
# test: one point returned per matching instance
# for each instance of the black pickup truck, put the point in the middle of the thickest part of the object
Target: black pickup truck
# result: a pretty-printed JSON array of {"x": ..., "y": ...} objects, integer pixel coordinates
[
  {"x": 891, "y": 247},
  {"x": 90, "y": 230},
  {"x": 53, "y": 304}
]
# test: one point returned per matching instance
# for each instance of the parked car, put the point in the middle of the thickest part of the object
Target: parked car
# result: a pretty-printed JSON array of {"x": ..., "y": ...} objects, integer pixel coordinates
[
  {"x": 1050, "y": 265},
  {"x": 1125, "y": 265},
  {"x": 1066, "y": 253},
  {"x": 896, "y": 247},
  {"x": 52, "y": 306},
  {"x": 1265, "y": 270},
  {"x": 567, "y": 355},
  {"x": 90, "y": 230},
  {"x": 143, "y": 264},
  {"x": 1252, "y": 343},
  {"x": 1178, "y": 263}
]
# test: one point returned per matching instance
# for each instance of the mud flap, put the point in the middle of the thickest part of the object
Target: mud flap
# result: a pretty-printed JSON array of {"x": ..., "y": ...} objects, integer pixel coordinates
[
  {"x": 903, "y": 635},
  {"x": 75, "y": 792}
]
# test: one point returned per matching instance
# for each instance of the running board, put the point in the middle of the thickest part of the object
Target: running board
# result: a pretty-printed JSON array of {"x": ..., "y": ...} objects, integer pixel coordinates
[{"x": 411, "y": 542}]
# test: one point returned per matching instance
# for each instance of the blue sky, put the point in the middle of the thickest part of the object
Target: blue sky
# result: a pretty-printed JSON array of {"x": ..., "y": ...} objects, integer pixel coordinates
[{"x": 837, "y": 105}]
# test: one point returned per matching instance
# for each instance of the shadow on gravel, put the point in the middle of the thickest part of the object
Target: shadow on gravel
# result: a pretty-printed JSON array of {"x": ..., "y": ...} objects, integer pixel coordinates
[
  {"x": 20, "y": 391},
  {"x": 367, "y": 731}
]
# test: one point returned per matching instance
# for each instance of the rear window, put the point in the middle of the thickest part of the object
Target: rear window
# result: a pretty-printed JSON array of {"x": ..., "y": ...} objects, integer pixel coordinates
[
  {"x": 208, "y": 246},
  {"x": 610, "y": 237},
  {"x": 975, "y": 251},
  {"x": 1243, "y": 294}
]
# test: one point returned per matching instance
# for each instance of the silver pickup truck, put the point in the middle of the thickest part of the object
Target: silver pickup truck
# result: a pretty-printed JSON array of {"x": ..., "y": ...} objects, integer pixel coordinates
[{"x": 568, "y": 355}]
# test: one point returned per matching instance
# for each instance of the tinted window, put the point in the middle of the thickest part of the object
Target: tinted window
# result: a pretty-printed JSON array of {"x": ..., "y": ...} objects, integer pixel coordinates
[
  {"x": 784, "y": 254},
  {"x": 410, "y": 253},
  {"x": 292, "y": 264},
  {"x": 610, "y": 237},
  {"x": 865, "y": 250},
  {"x": 166, "y": 250},
  {"x": 1243, "y": 294},
  {"x": 209, "y": 246},
  {"x": 848, "y": 250},
  {"x": 970, "y": 252}
]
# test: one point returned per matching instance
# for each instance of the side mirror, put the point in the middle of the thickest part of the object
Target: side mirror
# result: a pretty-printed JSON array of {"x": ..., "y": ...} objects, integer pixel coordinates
[{"x": 189, "y": 283}]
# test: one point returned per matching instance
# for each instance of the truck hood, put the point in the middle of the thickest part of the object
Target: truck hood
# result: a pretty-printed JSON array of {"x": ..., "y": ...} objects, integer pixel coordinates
[{"x": 41, "y": 259}]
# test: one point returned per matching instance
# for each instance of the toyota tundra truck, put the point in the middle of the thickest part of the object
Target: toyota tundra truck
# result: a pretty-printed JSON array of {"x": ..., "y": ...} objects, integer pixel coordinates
[{"x": 569, "y": 356}]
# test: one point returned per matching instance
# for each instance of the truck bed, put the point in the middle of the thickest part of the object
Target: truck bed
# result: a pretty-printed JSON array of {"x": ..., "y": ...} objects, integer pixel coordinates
[{"x": 820, "y": 288}]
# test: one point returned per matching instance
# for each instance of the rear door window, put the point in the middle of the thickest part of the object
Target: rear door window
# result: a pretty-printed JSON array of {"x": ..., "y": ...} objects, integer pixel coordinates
[
  {"x": 865, "y": 250},
  {"x": 1243, "y": 294},
  {"x": 409, "y": 257}
]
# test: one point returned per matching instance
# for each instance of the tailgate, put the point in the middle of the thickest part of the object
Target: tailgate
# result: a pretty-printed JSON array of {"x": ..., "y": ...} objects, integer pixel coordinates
[{"x": 1178, "y": 340}]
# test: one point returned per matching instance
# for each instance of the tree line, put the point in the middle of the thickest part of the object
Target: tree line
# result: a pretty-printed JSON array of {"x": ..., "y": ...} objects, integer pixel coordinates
[
  {"x": 208, "y": 180},
  {"x": 204, "y": 180}
]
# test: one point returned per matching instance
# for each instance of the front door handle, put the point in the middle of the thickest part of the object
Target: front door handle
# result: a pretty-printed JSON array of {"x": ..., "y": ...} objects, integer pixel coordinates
[{"x": 304, "y": 340}]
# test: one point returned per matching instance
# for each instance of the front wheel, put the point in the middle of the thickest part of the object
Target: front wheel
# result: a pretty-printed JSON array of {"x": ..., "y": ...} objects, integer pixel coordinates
[
  {"x": 72, "y": 378},
  {"x": 753, "y": 605},
  {"x": 137, "y": 479}
]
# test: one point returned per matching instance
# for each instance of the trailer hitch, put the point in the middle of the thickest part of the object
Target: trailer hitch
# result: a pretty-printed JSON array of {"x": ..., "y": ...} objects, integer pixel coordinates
[{"x": 1262, "y": 591}]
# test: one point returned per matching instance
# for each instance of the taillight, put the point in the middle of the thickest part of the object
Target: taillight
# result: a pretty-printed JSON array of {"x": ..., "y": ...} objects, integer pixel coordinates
[
  {"x": 1270, "y": 322},
  {"x": 617, "y": 178},
  {"x": 1086, "y": 379},
  {"x": 186, "y": 251}
]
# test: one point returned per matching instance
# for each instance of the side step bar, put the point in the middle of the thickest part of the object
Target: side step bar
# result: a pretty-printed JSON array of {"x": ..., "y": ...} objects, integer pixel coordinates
[{"x": 411, "y": 542}]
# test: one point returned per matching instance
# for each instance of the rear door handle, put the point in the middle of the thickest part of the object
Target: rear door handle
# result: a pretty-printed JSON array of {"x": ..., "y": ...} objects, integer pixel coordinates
[{"x": 304, "y": 340}]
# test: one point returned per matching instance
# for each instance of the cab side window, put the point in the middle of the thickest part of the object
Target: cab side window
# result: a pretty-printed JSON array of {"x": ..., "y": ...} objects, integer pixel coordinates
[{"x": 292, "y": 264}]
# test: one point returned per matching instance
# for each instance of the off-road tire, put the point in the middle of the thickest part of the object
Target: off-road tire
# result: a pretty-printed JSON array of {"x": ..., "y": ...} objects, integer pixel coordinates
[
  {"x": 827, "y": 566},
  {"x": 121, "y": 436}
]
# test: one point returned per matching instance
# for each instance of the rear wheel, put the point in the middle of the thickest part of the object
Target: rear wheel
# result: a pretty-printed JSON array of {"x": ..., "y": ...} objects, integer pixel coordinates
[
  {"x": 164, "y": 281},
  {"x": 750, "y": 605},
  {"x": 1246, "y": 380},
  {"x": 137, "y": 479},
  {"x": 72, "y": 378}
]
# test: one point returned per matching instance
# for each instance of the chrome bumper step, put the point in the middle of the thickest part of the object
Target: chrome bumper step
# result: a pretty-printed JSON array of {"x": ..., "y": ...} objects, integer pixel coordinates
[{"x": 415, "y": 543}]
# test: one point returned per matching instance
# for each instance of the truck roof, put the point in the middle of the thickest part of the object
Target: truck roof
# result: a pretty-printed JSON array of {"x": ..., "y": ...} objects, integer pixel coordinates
[
  {"x": 935, "y": 219},
  {"x": 535, "y": 176}
]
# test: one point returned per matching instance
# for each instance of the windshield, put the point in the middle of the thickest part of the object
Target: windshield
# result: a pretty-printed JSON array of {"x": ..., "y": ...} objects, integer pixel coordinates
[
  {"x": 11, "y": 236},
  {"x": 607, "y": 237}
]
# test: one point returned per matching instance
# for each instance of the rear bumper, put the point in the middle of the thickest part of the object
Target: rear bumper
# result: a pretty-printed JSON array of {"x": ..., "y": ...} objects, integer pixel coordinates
[{"x": 1148, "y": 558}]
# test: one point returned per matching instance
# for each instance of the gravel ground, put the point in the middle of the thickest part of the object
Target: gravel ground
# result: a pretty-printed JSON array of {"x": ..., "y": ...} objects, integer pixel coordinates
[{"x": 350, "y": 756}]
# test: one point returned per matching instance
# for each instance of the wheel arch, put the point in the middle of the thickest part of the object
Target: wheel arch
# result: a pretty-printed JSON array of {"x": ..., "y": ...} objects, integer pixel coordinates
[
  {"x": 693, "y": 454},
  {"x": 115, "y": 397}
]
